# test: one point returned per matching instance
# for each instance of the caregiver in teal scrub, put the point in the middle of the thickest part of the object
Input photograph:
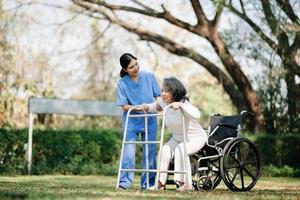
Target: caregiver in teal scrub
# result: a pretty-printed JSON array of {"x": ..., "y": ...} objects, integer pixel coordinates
[{"x": 135, "y": 88}]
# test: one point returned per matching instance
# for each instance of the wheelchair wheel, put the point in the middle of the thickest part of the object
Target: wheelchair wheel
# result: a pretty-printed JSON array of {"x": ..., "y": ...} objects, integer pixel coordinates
[
  {"x": 240, "y": 165},
  {"x": 204, "y": 183}
]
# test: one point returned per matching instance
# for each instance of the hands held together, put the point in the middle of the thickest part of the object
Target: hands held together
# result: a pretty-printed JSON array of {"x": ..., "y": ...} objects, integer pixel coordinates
[{"x": 143, "y": 107}]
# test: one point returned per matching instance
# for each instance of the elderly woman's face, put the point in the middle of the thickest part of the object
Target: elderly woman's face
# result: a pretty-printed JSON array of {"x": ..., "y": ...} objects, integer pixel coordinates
[{"x": 166, "y": 95}]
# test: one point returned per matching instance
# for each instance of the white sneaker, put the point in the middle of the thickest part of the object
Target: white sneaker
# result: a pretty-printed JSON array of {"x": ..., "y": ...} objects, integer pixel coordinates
[
  {"x": 151, "y": 188},
  {"x": 183, "y": 188}
]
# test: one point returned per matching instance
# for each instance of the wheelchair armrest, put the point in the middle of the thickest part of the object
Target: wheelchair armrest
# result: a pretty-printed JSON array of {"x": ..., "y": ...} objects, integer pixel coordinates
[{"x": 227, "y": 125}]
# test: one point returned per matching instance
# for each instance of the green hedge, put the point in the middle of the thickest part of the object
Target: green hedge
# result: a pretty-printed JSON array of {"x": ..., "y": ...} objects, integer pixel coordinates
[
  {"x": 279, "y": 150},
  {"x": 12, "y": 151},
  {"x": 98, "y": 151},
  {"x": 61, "y": 151}
]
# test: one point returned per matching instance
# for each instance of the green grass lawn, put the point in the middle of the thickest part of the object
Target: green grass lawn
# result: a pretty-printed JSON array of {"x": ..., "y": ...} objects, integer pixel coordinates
[{"x": 103, "y": 187}]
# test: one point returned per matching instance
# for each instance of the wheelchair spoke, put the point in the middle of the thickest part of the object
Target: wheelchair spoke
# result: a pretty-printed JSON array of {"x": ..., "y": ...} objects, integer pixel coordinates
[
  {"x": 234, "y": 166},
  {"x": 235, "y": 174},
  {"x": 233, "y": 156},
  {"x": 250, "y": 163},
  {"x": 249, "y": 173},
  {"x": 242, "y": 178},
  {"x": 231, "y": 175}
]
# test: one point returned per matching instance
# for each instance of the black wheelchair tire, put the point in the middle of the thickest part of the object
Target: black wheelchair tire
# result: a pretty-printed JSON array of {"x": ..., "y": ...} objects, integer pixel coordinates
[{"x": 241, "y": 167}]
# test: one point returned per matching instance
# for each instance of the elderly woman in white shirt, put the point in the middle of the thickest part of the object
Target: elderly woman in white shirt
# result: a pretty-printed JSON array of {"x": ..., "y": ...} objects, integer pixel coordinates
[{"x": 175, "y": 95}]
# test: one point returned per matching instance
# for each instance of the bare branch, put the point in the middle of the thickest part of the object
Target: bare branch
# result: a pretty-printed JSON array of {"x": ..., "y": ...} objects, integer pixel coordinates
[
  {"x": 68, "y": 20},
  {"x": 242, "y": 6},
  {"x": 90, "y": 43},
  {"x": 288, "y": 9},
  {"x": 147, "y": 12},
  {"x": 141, "y": 4},
  {"x": 255, "y": 27},
  {"x": 202, "y": 20},
  {"x": 274, "y": 24},
  {"x": 20, "y": 5},
  {"x": 218, "y": 13}
]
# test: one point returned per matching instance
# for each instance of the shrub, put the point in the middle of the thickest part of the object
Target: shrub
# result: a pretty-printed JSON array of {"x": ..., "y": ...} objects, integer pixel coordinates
[
  {"x": 12, "y": 160},
  {"x": 61, "y": 151},
  {"x": 279, "y": 150},
  {"x": 266, "y": 145},
  {"x": 290, "y": 150},
  {"x": 285, "y": 171}
]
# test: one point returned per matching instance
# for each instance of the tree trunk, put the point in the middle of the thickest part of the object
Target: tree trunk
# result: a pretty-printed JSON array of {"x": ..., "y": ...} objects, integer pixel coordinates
[
  {"x": 293, "y": 90},
  {"x": 291, "y": 96}
]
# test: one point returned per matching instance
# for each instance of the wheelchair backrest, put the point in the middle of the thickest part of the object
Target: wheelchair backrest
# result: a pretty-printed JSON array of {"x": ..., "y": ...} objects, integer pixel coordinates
[{"x": 222, "y": 128}]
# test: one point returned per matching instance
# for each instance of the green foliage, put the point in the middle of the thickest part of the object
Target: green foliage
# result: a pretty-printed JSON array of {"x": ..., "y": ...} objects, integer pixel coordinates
[
  {"x": 290, "y": 150},
  {"x": 279, "y": 150},
  {"x": 98, "y": 151},
  {"x": 61, "y": 151},
  {"x": 284, "y": 171},
  {"x": 266, "y": 145},
  {"x": 12, "y": 151}
]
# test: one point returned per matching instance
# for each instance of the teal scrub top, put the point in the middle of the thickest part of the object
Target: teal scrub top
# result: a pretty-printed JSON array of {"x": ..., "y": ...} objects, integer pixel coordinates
[{"x": 135, "y": 93}]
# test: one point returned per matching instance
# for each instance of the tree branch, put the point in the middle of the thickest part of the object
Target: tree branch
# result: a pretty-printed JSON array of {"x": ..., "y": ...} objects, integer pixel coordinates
[
  {"x": 38, "y": 3},
  {"x": 141, "y": 4},
  {"x": 242, "y": 6},
  {"x": 274, "y": 25},
  {"x": 174, "y": 48},
  {"x": 218, "y": 13},
  {"x": 288, "y": 9},
  {"x": 202, "y": 20},
  {"x": 255, "y": 27},
  {"x": 147, "y": 12},
  {"x": 94, "y": 41}
]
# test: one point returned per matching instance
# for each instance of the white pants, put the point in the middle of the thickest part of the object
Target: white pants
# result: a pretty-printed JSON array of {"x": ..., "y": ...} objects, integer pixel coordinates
[{"x": 175, "y": 148}]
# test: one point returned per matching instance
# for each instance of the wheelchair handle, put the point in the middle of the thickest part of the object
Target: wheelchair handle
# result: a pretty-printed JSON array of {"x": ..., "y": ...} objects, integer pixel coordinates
[{"x": 247, "y": 112}]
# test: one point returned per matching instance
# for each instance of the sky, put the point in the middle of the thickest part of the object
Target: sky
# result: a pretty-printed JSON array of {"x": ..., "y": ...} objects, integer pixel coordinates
[{"x": 51, "y": 31}]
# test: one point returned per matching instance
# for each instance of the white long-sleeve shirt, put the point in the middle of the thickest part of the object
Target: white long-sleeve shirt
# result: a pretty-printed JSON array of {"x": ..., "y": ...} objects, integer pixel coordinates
[{"x": 173, "y": 119}]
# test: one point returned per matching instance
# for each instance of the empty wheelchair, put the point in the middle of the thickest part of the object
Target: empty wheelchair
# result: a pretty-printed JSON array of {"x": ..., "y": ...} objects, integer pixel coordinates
[{"x": 226, "y": 156}]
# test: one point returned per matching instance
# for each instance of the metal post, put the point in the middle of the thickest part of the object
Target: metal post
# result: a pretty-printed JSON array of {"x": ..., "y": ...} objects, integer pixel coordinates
[
  {"x": 147, "y": 149},
  {"x": 185, "y": 167},
  {"x": 160, "y": 147},
  {"x": 123, "y": 144},
  {"x": 160, "y": 152},
  {"x": 29, "y": 148}
]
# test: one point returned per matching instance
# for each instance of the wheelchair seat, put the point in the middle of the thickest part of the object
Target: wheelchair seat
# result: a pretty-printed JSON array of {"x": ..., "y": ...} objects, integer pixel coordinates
[{"x": 222, "y": 129}]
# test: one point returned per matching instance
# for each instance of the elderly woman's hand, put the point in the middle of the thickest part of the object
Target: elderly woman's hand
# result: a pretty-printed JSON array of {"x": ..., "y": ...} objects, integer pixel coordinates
[{"x": 176, "y": 105}]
